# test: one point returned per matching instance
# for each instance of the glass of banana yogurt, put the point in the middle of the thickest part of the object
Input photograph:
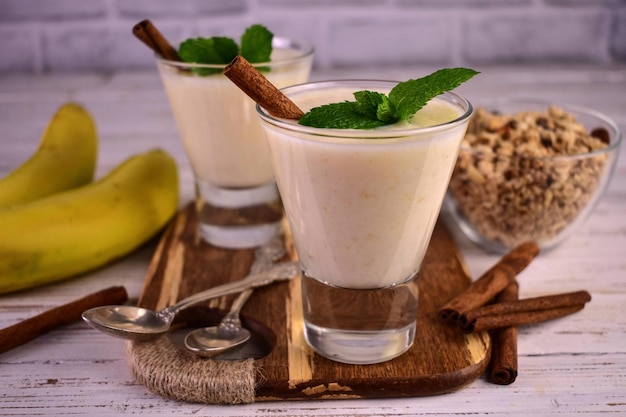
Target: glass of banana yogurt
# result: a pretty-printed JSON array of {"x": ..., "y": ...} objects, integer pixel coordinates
[
  {"x": 236, "y": 196},
  {"x": 362, "y": 205}
]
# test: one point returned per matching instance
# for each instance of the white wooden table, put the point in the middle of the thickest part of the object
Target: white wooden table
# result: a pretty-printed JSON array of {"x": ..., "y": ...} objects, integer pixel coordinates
[{"x": 576, "y": 365}]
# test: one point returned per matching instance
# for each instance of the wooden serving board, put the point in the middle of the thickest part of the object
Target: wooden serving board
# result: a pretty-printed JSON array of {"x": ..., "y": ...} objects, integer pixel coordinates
[{"x": 442, "y": 359}]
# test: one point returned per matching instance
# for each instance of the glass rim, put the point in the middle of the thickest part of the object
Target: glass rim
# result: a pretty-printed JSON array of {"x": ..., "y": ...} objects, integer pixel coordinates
[
  {"x": 615, "y": 132},
  {"x": 366, "y": 134},
  {"x": 305, "y": 49}
]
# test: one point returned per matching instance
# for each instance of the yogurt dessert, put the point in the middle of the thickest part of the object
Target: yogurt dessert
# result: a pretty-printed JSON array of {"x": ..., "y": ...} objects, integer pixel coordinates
[
  {"x": 217, "y": 121},
  {"x": 238, "y": 204},
  {"x": 362, "y": 205}
]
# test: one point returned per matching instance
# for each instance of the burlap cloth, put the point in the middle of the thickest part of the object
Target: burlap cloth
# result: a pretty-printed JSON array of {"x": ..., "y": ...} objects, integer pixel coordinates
[{"x": 166, "y": 370}]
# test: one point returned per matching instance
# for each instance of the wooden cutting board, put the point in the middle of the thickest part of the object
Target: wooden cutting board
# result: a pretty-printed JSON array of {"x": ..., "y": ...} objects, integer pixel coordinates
[{"x": 442, "y": 359}]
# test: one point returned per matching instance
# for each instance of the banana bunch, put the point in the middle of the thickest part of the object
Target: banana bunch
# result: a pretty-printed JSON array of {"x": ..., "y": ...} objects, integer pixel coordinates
[
  {"x": 73, "y": 231},
  {"x": 66, "y": 158}
]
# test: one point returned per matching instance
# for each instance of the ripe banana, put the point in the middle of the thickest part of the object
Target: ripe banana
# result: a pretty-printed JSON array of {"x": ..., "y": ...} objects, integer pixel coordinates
[
  {"x": 84, "y": 228},
  {"x": 66, "y": 158}
]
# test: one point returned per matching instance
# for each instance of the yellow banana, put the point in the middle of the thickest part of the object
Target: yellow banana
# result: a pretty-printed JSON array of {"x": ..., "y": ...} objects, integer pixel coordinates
[
  {"x": 65, "y": 159},
  {"x": 81, "y": 229}
]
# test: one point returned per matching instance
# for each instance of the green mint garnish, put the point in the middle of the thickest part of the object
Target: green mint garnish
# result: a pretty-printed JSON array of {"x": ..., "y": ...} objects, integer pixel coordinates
[
  {"x": 372, "y": 109},
  {"x": 256, "y": 46},
  {"x": 215, "y": 50},
  {"x": 343, "y": 115}
]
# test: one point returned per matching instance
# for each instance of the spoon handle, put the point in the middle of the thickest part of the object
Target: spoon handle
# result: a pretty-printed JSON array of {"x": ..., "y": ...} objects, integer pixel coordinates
[
  {"x": 239, "y": 302},
  {"x": 281, "y": 271},
  {"x": 231, "y": 322},
  {"x": 264, "y": 258}
]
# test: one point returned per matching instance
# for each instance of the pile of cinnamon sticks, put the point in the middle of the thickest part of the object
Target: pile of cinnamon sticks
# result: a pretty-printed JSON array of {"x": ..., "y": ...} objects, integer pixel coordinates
[{"x": 492, "y": 303}]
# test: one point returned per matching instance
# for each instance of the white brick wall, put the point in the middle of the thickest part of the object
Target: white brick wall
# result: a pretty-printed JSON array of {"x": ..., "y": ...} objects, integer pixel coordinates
[{"x": 40, "y": 36}]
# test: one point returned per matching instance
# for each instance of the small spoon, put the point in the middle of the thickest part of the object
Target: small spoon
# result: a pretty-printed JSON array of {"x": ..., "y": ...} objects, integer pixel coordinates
[
  {"x": 136, "y": 323},
  {"x": 211, "y": 341}
]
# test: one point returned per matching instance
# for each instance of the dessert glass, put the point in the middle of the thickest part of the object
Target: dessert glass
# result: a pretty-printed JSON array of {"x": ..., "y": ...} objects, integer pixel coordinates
[
  {"x": 361, "y": 206},
  {"x": 236, "y": 197}
]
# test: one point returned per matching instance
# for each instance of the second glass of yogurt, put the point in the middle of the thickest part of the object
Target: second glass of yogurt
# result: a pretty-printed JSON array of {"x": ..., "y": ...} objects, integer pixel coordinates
[
  {"x": 236, "y": 196},
  {"x": 362, "y": 206}
]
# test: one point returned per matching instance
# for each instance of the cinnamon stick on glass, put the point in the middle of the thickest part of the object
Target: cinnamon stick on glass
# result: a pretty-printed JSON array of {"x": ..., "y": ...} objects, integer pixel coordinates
[
  {"x": 526, "y": 311},
  {"x": 250, "y": 80},
  {"x": 492, "y": 282},
  {"x": 503, "y": 364},
  {"x": 146, "y": 32}
]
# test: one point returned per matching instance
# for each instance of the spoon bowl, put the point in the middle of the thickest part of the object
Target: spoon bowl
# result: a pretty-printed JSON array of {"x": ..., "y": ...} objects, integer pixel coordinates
[
  {"x": 127, "y": 322},
  {"x": 229, "y": 334},
  {"x": 211, "y": 341}
]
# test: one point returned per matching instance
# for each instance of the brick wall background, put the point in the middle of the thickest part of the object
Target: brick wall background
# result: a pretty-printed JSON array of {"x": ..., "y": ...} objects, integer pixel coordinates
[{"x": 52, "y": 36}]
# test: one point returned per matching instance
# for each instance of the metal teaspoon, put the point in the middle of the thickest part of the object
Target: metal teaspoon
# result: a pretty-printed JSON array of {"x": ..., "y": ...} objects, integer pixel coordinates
[
  {"x": 136, "y": 323},
  {"x": 229, "y": 334}
]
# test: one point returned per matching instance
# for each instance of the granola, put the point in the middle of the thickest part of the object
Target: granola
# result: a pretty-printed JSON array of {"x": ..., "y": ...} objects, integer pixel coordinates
[{"x": 521, "y": 181}]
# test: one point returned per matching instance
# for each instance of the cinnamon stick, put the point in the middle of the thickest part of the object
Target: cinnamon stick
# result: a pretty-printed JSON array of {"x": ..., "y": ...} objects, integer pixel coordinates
[
  {"x": 492, "y": 282},
  {"x": 545, "y": 302},
  {"x": 516, "y": 319},
  {"x": 245, "y": 76},
  {"x": 30, "y": 328},
  {"x": 530, "y": 310},
  {"x": 503, "y": 364},
  {"x": 141, "y": 34},
  {"x": 146, "y": 32}
]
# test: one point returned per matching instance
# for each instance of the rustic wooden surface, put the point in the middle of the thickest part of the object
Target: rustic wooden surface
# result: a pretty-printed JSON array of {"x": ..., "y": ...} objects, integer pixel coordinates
[
  {"x": 576, "y": 365},
  {"x": 441, "y": 360}
]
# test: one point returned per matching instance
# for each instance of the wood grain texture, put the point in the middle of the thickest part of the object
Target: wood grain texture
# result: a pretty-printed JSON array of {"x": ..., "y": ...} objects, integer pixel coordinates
[{"x": 441, "y": 360}]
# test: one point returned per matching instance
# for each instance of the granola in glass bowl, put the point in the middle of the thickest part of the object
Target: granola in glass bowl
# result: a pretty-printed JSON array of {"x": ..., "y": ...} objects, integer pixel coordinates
[{"x": 530, "y": 171}]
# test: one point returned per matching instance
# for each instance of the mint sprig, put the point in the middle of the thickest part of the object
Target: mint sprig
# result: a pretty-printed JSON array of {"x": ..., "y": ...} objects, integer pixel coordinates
[
  {"x": 372, "y": 109},
  {"x": 256, "y": 44},
  {"x": 215, "y": 50},
  {"x": 344, "y": 115},
  {"x": 256, "y": 47}
]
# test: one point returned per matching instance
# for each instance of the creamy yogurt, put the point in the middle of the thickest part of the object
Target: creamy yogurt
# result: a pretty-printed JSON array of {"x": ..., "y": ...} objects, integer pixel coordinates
[
  {"x": 362, "y": 204},
  {"x": 217, "y": 121}
]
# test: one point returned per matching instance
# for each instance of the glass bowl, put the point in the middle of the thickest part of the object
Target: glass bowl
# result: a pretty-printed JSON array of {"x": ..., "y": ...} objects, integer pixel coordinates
[{"x": 530, "y": 171}]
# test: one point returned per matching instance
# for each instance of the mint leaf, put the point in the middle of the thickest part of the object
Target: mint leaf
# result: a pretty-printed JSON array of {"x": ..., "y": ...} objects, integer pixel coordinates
[
  {"x": 226, "y": 48},
  {"x": 367, "y": 102},
  {"x": 385, "y": 112},
  {"x": 215, "y": 50},
  {"x": 410, "y": 96},
  {"x": 372, "y": 109},
  {"x": 374, "y": 105},
  {"x": 256, "y": 44},
  {"x": 343, "y": 115}
]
